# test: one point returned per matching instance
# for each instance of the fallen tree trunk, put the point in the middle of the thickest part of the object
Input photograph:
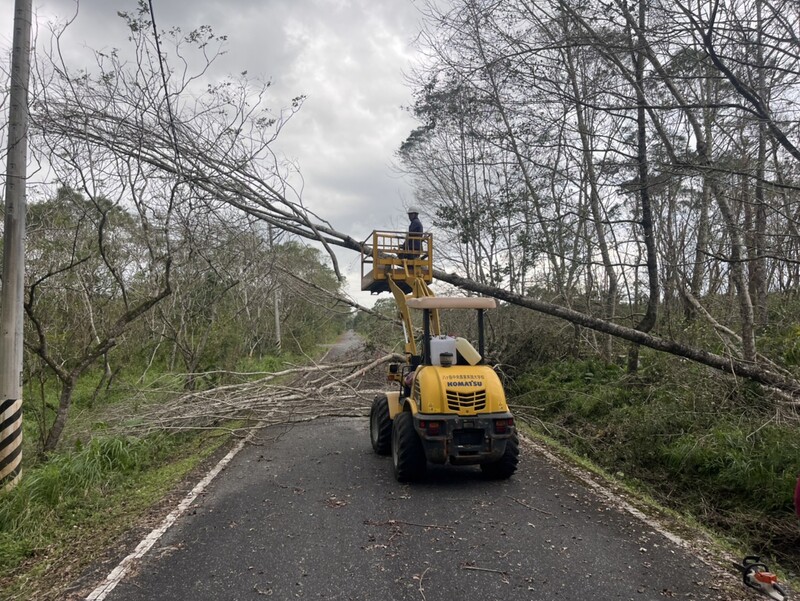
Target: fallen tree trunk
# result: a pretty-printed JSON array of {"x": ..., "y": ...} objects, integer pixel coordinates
[
  {"x": 242, "y": 184},
  {"x": 731, "y": 365}
]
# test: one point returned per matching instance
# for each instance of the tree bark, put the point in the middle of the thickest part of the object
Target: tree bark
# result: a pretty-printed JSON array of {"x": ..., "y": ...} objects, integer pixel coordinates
[
  {"x": 729, "y": 365},
  {"x": 649, "y": 320},
  {"x": 594, "y": 199}
]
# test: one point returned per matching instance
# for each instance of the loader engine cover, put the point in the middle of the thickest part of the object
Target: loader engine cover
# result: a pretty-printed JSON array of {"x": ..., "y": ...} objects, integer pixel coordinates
[{"x": 461, "y": 389}]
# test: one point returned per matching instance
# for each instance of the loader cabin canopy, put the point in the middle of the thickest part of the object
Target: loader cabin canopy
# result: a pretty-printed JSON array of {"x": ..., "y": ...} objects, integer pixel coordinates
[
  {"x": 435, "y": 303},
  {"x": 452, "y": 302}
]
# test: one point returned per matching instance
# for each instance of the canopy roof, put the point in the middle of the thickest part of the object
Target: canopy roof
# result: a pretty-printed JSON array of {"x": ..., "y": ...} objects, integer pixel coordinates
[{"x": 452, "y": 302}]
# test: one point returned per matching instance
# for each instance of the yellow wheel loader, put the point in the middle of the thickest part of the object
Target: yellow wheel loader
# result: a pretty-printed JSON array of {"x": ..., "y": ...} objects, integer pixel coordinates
[{"x": 448, "y": 405}]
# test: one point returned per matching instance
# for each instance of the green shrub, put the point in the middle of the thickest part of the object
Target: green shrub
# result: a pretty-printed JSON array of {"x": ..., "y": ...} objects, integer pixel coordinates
[
  {"x": 267, "y": 363},
  {"x": 755, "y": 468},
  {"x": 54, "y": 490}
]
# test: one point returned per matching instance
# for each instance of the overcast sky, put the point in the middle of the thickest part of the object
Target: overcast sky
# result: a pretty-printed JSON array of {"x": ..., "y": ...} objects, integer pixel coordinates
[{"x": 348, "y": 57}]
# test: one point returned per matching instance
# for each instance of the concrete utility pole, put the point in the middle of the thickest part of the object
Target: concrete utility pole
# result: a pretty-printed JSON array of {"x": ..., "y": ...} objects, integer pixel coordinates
[
  {"x": 14, "y": 250},
  {"x": 277, "y": 299}
]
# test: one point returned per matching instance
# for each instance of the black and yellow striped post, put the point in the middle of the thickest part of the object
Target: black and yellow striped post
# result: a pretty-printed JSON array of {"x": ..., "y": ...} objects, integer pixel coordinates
[
  {"x": 14, "y": 250},
  {"x": 10, "y": 442}
]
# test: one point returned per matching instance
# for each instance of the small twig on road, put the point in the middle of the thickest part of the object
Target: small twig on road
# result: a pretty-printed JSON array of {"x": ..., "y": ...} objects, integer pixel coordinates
[
  {"x": 422, "y": 590},
  {"x": 398, "y": 522},
  {"x": 524, "y": 504},
  {"x": 435, "y": 526},
  {"x": 477, "y": 569}
]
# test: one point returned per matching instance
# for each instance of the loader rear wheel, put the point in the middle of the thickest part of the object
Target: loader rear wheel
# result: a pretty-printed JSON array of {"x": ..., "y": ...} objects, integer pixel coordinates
[
  {"x": 380, "y": 426},
  {"x": 504, "y": 467},
  {"x": 408, "y": 456}
]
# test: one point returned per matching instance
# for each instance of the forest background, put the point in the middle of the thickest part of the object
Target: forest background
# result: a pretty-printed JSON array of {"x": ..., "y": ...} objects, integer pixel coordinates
[{"x": 629, "y": 171}]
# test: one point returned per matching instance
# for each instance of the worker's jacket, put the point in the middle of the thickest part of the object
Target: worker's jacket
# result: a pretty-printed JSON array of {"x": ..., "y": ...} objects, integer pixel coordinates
[{"x": 414, "y": 239}]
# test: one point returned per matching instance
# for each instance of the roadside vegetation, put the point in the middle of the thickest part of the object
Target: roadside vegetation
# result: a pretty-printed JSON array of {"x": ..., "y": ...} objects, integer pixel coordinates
[
  {"x": 68, "y": 511},
  {"x": 73, "y": 504},
  {"x": 238, "y": 308},
  {"x": 697, "y": 442}
]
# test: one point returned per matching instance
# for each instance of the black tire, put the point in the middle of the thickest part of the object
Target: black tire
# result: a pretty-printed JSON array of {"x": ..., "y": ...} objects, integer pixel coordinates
[
  {"x": 504, "y": 467},
  {"x": 408, "y": 455},
  {"x": 380, "y": 426}
]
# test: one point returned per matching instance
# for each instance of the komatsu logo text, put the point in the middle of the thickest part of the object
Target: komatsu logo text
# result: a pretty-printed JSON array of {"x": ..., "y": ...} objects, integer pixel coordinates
[{"x": 464, "y": 381}]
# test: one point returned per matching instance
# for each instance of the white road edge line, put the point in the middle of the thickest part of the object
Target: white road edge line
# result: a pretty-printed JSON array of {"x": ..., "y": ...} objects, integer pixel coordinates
[
  {"x": 117, "y": 574},
  {"x": 609, "y": 495}
]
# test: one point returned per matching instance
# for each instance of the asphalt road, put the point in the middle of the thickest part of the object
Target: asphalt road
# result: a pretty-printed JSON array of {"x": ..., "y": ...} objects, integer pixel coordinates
[{"x": 310, "y": 512}]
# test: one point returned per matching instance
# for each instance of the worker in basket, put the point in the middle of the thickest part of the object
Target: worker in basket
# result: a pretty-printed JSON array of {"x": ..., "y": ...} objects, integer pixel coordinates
[{"x": 413, "y": 242}]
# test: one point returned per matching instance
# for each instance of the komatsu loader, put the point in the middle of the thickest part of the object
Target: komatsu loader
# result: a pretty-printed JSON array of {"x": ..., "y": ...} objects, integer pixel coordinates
[{"x": 448, "y": 405}]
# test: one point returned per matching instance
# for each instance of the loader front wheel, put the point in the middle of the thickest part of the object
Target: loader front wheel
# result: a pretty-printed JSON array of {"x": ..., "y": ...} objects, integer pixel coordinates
[
  {"x": 504, "y": 467},
  {"x": 380, "y": 426},
  {"x": 408, "y": 455}
]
